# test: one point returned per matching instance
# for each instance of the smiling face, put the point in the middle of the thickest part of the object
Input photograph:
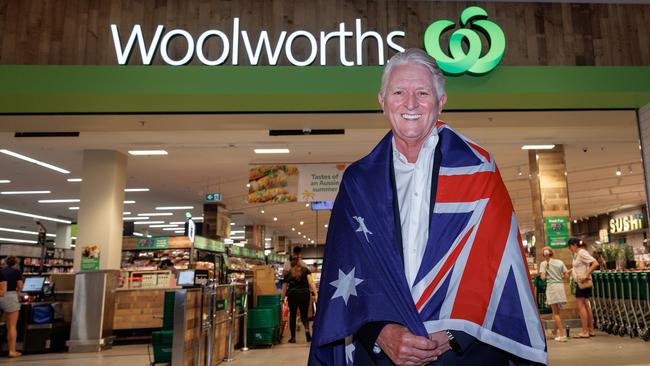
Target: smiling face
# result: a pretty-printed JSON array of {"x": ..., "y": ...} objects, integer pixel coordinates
[{"x": 410, "y": 103}]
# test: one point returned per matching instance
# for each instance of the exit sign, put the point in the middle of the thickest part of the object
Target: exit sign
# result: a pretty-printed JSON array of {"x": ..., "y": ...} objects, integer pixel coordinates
[{"x": 213, "y": 197}]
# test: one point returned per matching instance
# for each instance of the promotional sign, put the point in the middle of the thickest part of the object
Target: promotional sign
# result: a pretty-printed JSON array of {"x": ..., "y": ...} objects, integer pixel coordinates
[
  {"x": 191, "y": 229},
  {"x": 213, "y": 197},
  {"x": 209, "y": 244},
  {"x": 293, "y": 183},
  {"x": 90, "y": 257},
  {"x": 156, "y": 242},
  {"x": 557, "y": 231},
  {"x": 626, "y": 223}
]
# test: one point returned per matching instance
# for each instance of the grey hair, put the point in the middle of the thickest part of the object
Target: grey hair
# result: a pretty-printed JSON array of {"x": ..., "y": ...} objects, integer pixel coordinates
[{"x": 415, "y": 56}]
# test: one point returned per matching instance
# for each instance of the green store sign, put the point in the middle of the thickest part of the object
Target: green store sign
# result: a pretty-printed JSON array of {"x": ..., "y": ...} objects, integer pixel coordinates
[
  {"x": 557, "y": 231},
  {"x": 209, "y": 244},
  {"x": 157, "y": 242},
  {"x": 457, "y": 61}
]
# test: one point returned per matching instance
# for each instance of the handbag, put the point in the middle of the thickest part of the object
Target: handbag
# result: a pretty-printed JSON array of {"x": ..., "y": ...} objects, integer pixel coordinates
[{"x": 586, "y": 284}]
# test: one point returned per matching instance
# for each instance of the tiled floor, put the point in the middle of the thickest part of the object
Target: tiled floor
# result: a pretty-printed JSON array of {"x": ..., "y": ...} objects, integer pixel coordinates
[{"x": 602, "y": 350}]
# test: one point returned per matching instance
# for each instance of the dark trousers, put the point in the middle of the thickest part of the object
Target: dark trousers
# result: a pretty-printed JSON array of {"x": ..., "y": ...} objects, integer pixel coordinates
[{"x": 298, "y": 301}]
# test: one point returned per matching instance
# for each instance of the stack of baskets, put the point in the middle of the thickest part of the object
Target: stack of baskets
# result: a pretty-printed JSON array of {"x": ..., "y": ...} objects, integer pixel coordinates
[{"x": 264, "y": 321}]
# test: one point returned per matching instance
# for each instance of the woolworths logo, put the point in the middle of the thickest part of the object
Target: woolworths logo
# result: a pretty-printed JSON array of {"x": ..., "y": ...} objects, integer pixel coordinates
[{"x": 459, "y": 60}]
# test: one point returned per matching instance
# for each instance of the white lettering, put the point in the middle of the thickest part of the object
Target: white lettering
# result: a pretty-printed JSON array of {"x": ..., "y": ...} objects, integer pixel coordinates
[
  {"x": 362, "y": 36},
  {"x": 324, "y": 37},
  {"x": 312, "y": 42},
  {"x": 393, "y": 45},
  {"x": 342, "y": 36},
  {"x": 164, "y": 44},
  {"x": 235, "y": 41},
  {"x": 263, "y": 41},
  {"x": 199, "y": 47},
  {"x": 146, "y": 54}
]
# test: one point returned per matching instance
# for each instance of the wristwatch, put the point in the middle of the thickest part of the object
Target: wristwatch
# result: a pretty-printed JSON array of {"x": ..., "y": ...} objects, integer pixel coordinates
[{"x": 453, "y": 343}]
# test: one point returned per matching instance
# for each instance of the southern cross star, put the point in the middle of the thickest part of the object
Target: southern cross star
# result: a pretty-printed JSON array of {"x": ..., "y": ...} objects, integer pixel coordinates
[
  {"x": 346, "y": 285},
  {"x": 362, "y": 227},
  {"x": 349, "y": 353}
]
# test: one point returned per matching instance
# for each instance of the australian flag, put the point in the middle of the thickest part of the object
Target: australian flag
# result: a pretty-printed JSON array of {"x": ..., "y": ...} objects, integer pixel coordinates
[{"x": 473, "y": 276}]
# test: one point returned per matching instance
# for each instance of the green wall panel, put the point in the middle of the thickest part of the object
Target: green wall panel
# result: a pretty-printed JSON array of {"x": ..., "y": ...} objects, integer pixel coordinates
[{"x": 146, "y": 89}]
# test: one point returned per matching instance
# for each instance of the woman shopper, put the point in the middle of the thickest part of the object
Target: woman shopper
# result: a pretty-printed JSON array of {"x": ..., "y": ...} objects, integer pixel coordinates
[
  {"x": 295, "y": 288},
  {"x": 554, "y": 272},
  {"x": 583, "y": 265},
  {"x": 9, "y": 302}
]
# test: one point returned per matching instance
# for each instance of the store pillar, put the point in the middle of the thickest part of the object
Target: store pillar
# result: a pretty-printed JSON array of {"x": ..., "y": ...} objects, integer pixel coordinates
[
  {"x": 551, "y": 212},
  {"x": 644, "y": 135},
  {"x": 63, "y": 236},
  {"x": 100, "y": 210}
]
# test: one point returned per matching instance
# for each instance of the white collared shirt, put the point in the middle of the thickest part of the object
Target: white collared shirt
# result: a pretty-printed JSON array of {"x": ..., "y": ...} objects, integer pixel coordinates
[{"x": 413, "y": 183}]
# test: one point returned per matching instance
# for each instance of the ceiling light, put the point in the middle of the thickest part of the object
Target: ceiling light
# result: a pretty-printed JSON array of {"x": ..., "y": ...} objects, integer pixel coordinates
[
  {"x": 304, "y": 236},
  {"x": 163, "y": 225},
  {"x": 197, "y": 218},
  {"x": 165, "y": 208},
  {"x": 618, "y": 172},
  {"x": 147, "y": 222},
  {"x": 537, "y": 147},
  {"x": 275, "y": 219},
  {"x": 126, "y": 213},
  {"x": 136, "y": 190},
  {"x": 172, "y": 229},
  {"x": 629, "y": 169},
  {"x": 236, "y": 232},
  {"x": 129, "y": 202},
  {"x": 248, "y": 185},
  {"x": 236, "y": 237},
  {"x": 177, "y": 222},
  {"x": 156, "y": 214},
  {"x": 299, "y": 233},
  {"x": 4, "y": 181},
  {"x": 179, "y": 231},
  {"x": 11, "y": 240},
  {"x": 271, "y": 151},
  {"x": 47, "y": 218},
  {"x": 519, "y": 172},
  {"x": 134, "y": 218},
  {"x": 326, "y": 225},
  {"x": 26, "y": 192},
  {"x": 302, "y": 222},
  {"x": 306, "y": 204},
  {"x": 67, "y": 200},
  {"x": 575, "y": 221},
  {"x": 73, "y": 208},
  {"x": 73, "y": 180},
  {"x": 262, "y": 211},
  {"x": 293, "y": 229},
  {"x": 135, "y": 233},
  {"x": 232, "y": 224},
  {"x": 312, "y": 242},
  {"x": 24, "y": 232},
  {"x": 34, "y": 161},
  {"x": 147, "y": 152}
]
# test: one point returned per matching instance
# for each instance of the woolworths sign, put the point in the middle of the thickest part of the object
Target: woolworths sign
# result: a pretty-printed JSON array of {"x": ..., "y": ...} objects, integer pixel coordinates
[{"x": 477, "y": 57}]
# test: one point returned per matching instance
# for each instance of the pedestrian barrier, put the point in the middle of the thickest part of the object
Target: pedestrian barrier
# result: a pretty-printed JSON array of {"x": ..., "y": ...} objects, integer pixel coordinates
[{"x": 621, "y": 302}]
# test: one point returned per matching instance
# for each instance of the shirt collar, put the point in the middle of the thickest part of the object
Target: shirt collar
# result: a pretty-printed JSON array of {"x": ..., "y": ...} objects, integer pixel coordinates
[{"x": 427, "y": 147}]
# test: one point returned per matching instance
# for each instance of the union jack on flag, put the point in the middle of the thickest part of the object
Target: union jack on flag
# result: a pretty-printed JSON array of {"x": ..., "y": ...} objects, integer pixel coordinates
[{"x": 473, "y": 276}]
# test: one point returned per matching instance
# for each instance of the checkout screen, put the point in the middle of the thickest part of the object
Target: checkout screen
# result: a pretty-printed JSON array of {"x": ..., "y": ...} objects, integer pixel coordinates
[
  {"x": 33, "y": 284},
  {"x": 186, "y": 278}
]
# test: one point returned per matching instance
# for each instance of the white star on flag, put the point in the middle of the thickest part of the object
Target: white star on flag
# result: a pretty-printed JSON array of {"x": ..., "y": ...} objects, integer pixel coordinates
[
  {"x": 346, "y": 285},
  {"x": 362, "y": 227}
]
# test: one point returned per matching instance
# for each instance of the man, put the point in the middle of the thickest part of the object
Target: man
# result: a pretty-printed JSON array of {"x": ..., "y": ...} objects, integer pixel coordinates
[
  {"x": 423, "y": 260},
  {"x": 297, "y": 252}
]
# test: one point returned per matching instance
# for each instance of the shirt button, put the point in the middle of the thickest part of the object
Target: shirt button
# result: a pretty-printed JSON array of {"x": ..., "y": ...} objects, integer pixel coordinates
[{"x": 416, "y": 194}]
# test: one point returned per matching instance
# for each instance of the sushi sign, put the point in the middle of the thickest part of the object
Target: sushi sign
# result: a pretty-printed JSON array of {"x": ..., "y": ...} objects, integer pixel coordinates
[{"x": 626, "y": 223}]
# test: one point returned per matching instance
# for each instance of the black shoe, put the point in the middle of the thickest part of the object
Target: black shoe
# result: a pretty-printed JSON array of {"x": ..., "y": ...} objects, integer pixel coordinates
[
  {"x": 292, "y": 340},
  {"x": 308, "y": 336}
]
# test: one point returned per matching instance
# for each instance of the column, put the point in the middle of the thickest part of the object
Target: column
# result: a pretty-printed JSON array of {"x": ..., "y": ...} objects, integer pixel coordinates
[
  {"x": 644, "y": 135},
  {"x": 101, "y": 207},
  {"x": 550, "y": 195},
  {"x": 63, "y": 236}
]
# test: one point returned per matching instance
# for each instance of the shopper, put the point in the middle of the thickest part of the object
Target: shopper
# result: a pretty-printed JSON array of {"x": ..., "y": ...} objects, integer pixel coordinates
[
  {"x": 422, "y": 253},
  {"x": 554, "y": 272},
  {"x": 296, "y": 288},
  {"x": 9, "y": 302},
  {"x": 295, "y": 252},
  {"x": 583, "y": 265}
]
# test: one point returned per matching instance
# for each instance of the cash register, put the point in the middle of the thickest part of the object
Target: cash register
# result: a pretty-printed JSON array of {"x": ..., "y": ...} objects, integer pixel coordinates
[{"x": 38, "y": 330}]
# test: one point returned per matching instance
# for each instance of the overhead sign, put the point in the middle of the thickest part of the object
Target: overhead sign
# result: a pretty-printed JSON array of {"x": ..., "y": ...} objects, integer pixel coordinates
[
  {"x": 156, "y": 242},
  {"x": 460, "y": 61},
  {"x": 213, "y": 197},
  {"x": 293, "y": 183},
  {"x": 273, "y": 48},
  {"x": 191, "y": 229},
  {"x": 626, "y": 223}
]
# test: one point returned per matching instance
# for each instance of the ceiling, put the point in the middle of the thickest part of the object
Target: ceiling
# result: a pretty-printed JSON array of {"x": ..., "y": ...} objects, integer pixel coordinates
[{"x": 212, "y": 153}]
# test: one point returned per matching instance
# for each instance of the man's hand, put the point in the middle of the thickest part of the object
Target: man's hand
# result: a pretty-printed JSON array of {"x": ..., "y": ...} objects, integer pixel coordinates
[
  {"x": 405, "y": 348},
  {"x": 442, "y": 340}
]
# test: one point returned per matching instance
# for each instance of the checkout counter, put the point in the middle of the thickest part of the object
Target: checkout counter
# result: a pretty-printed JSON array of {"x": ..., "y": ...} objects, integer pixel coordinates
[{"x": 41, "y": 326}]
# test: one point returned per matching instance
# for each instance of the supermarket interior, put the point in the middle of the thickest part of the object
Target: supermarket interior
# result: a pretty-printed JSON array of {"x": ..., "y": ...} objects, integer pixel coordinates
[{"x": 168, "y": 168}]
